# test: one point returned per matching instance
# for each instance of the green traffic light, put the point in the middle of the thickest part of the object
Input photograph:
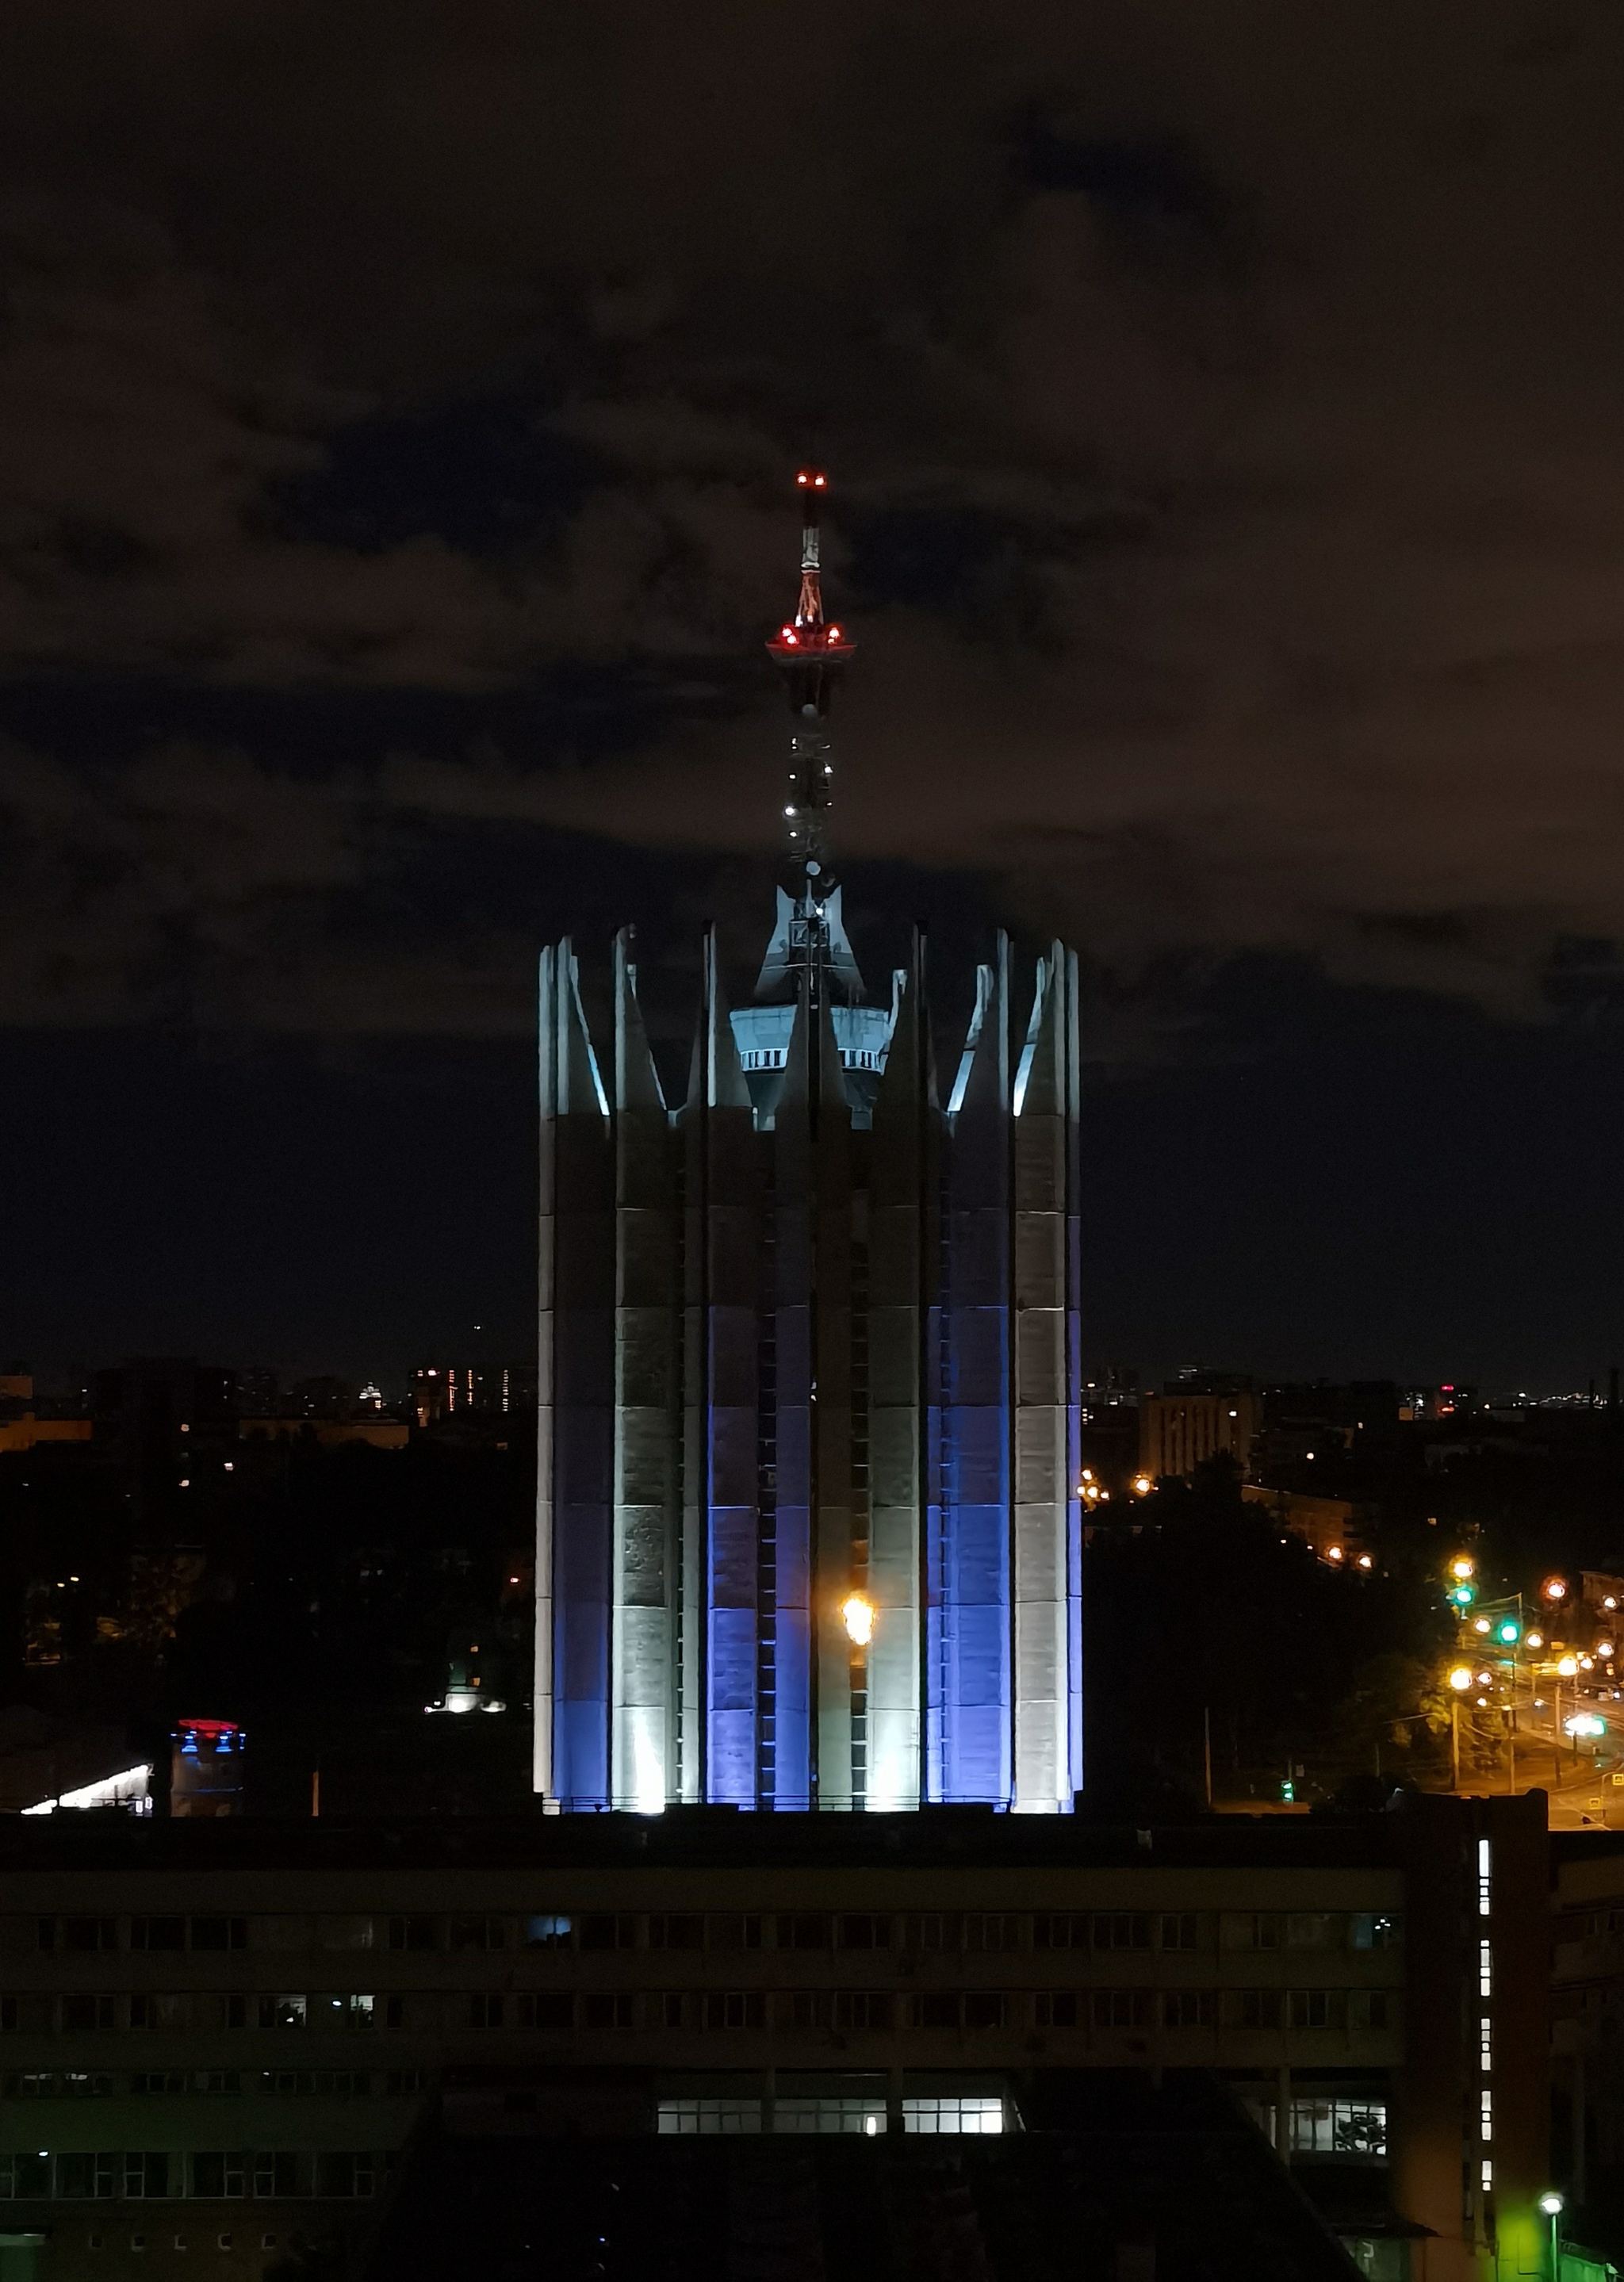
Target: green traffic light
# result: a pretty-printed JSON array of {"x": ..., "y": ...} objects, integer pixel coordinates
[
  {"x": 1510, "y": 1631},
  {"x": 1463, "y": 1595}
]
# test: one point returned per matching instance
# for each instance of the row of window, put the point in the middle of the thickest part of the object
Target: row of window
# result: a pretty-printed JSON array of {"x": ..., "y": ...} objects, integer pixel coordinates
[
  {"x": 325, "y": 2084},
  {"x": 146, "y": 2176},
  {"x": 928, "y": 1931},
  {"x": 1338, "y": 2125},
  {"x": 973, "y": 2113},
  {"x": 77, "y": 2013},
  {"x": 872, "y": 2008}
]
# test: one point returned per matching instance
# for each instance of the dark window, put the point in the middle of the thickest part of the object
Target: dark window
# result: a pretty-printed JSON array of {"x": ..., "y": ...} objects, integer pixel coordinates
[
  {"x": 220, "y": 1933},
  {"x": 84, "y": 1933},
  {"x": 734, "y": 2009},
  {"x": 930, "y": 1929},
  {"x": 276, "y": 2175},
  {"x": 671, "y": 2009},
  {"x": 862, "y": 1929},
  {"x": 934, "y": 2008},
  {"x": 984, "y": 2009},
  {"x": 8, "y": 2012},
  {"x": 546, "y": 2009},
  {"x": 862, "y": 2008},
  {"x": 1122, "y": 2009},
  {"x": 1189, "y": 2008},
  {"x": 82, "y": 2012},
  {"x": 735, "y": 1930},
  {"x": 806, "y": 2009},
  {"x": 1059, "y": 1929},
  {"x": 343, "y": 2176},
  {"x": 992, "y": 1929},
  {"x": 156, "y": 1933},
  {"x": 484, "y": 2010},
  {"x": 1316, "y": 2008},
  {"x": 1254, "y": 2008},
  {"x": 478, "y": 1932},
  {"x": 394, "y": 2012},
  {"x": 607, "y": 2011},
  {"x": 220, "y": 2175},
  {"x": 142, "y": 2012},
  {"x": 81, "y": 2178},
  {"x": 1121, "y": 1930},
  {"x": 803, "y": 1929},
  {"x": 606, "y": 1932},
  {"x": 413, "y": 1933},
  {"x": 147, "y": 2175},
  {"x": 1060, "y": 2008},
  {"x": 236, "y": 2011},
  {"x": 669, "y": 1930},
  {"x": 1181, "y": 1930}
]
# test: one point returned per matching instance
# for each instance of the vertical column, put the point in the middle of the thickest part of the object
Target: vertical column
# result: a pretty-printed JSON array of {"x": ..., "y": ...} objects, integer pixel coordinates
[
  {"x": 642, "y": 1726},
  {"x": 904, "y": 1240},
  {"x": 1073, "y": 1373},
  {"x": 791, "y": 1302},
  {"x": 974, "y": 1676},
  {"x": 541, "y": 1774},
  {"x": 1045, "y": 1399},
  {"x": 581, "y": 1372},
  {"x": 724, "y": 1222},
  {"x": 833, "y": 1531}
]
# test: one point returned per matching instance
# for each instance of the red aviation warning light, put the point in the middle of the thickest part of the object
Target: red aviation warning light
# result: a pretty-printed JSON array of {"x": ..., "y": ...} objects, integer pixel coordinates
[{"x": 808, "y": 639}]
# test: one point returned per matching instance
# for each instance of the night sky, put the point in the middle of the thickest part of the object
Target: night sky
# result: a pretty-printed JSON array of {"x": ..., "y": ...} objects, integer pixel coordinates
[{"x": 399, "y": 406}]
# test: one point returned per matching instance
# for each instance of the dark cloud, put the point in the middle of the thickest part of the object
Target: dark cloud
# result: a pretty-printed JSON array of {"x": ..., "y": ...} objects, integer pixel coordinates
[{"x": 1223, "y": 410}]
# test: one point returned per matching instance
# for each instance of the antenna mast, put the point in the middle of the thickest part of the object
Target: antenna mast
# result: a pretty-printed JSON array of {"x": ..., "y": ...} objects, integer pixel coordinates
[{"x": 809, "y": 654}]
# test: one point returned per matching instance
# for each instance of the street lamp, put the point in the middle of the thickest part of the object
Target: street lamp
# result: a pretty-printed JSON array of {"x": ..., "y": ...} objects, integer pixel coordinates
[{"x": 1550, "y": 2203}]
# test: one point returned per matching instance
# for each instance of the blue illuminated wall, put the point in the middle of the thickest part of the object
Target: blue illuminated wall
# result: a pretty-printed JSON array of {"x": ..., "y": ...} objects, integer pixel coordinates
[{"x": 811, "y": 1330}]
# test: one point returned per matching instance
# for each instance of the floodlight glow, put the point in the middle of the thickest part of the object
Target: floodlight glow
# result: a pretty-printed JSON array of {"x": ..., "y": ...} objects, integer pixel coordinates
[{"x": 858, "y": 1617}]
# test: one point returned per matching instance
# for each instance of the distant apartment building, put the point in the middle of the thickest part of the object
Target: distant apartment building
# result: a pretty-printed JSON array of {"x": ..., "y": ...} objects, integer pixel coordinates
[{"x": 1178, "y": 1430}]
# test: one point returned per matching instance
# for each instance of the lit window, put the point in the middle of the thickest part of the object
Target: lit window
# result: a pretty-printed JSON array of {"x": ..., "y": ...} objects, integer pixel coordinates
[
  {"x": 1485, "y": 2045},
  {"x": 1488, "y": 2177},
  {"x": 1339, "y": 2127},
  {"x": 978, "y": 2113},
  {"x": 1485, "y": 2116},
  {"x": 863, "y": 2116},
  {"x": 1486, "y": 1970}
]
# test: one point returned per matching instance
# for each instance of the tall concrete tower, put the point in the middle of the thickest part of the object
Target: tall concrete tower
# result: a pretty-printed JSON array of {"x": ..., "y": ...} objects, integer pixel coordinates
[{"x": 808, "y": 1534}]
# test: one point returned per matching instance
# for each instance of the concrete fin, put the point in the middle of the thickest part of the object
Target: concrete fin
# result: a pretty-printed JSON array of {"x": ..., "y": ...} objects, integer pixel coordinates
[
  {"x": 637, "y": 1081},
  {"x": 724, "y": 1072},
  {"x": 580, "y": 1083},
  {"x": 1040, "y": 1076},
  {"x": 910, "y": 1066}
]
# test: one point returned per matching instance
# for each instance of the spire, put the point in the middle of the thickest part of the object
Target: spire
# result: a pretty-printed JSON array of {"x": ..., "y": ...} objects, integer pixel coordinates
[{"x": 810, "y": 653}]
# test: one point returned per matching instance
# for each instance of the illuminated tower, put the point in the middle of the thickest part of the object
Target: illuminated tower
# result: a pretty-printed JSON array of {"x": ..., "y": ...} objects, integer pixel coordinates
[{"x": 808, "y": 1534}]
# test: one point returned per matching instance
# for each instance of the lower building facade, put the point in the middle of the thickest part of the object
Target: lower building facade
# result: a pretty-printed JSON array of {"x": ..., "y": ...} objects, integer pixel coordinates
[{"x": 222, "y": 2042}]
